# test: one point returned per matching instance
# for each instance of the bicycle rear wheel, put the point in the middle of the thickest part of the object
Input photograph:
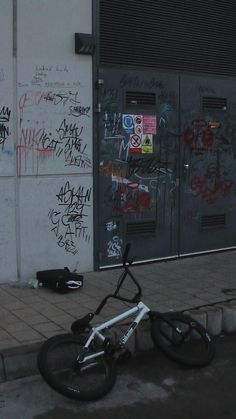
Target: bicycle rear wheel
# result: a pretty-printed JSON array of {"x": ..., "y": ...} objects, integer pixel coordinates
[
  {"x": 57, "y": 362},
  {"x": 182, "y": 339}
]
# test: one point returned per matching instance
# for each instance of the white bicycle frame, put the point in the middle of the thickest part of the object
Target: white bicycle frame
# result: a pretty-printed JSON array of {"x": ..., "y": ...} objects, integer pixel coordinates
[{"x": 141, "y": 309}]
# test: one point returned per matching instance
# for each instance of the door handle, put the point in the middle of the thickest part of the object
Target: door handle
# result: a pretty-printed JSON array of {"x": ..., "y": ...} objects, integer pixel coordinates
[{"x": 186, "y": 172}]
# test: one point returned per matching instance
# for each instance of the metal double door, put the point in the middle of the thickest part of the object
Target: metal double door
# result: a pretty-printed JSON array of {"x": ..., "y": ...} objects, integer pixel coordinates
[{"x": 167, "y": 167}]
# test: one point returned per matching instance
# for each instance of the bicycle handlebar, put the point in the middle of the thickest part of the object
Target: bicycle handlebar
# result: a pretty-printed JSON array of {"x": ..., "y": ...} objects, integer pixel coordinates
[
  {"x": 126, "y": 254},
  {"x": 126, "y": 272}
]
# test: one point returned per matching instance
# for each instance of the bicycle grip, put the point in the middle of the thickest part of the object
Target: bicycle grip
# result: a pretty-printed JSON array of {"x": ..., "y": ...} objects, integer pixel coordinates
[{"x": 126, "y": 253}]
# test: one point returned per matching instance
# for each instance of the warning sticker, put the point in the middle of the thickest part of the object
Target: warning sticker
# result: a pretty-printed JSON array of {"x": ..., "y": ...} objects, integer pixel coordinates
[
  {"x": 138, "y": 124},
  {"x": 140, "y": 129},
  {"x": 214, "y": 124},
  {"x": 149, "y": 124},
  {"x": 128, "y": 123},
  {"x": 138, "y": 119},
  {"x": 147, "y": 143},
  {"x": 135, "y": 143}
]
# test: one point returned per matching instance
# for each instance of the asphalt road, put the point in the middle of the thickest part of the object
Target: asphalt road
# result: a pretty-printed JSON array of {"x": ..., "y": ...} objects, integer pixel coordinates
[{"x": 148, "y": 386}]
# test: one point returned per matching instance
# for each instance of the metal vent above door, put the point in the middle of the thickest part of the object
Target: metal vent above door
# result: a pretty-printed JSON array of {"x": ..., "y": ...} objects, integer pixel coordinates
[
  {"x": 140, "y": 98},
  {"x": 140, "y": 228},
  {"x": 213, "y": 221},
  {"x": 214, "y": 103},
  {"x": 182, "y": 35}
]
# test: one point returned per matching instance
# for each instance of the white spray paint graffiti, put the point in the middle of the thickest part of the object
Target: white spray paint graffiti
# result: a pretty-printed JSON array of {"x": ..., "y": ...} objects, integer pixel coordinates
[{"x": 114, "y": 247}]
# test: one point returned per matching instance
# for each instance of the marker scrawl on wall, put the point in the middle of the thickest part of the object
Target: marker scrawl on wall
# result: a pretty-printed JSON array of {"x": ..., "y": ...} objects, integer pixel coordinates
[
  {"x": 54, "y": 121},
  {"x": 5, "y": 114},
  {"x": 69, "y": 220},
  {"x": 6, "y": 121}
]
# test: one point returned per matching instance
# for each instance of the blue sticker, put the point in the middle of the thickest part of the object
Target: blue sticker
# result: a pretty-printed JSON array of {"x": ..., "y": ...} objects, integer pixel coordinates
[{"x": 128, "y": 123}]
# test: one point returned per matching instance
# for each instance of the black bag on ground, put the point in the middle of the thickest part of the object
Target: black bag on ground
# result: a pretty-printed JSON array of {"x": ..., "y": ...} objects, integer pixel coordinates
[{"x": 60, "y": 280}]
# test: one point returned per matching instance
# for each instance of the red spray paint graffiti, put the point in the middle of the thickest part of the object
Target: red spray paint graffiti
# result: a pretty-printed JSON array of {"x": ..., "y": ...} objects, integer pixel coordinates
[
  {"x": 128, "y": 198},
  {"x": 210, "y": 187},
  {"x": 202, "y": 139}
]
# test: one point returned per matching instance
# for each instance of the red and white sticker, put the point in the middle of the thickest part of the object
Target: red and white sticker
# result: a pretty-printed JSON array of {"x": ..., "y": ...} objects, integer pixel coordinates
[{"x": 135, "y": 143}]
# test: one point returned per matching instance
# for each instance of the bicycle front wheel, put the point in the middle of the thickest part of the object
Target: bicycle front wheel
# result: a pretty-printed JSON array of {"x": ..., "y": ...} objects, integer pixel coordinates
[
  {"x": 182, "y": 339},
  {"x": 57, "y": 362}
]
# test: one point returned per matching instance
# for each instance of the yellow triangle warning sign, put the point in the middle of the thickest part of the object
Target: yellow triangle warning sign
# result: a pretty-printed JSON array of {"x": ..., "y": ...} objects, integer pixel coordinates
[
  {"x": 147, "y": 143},
  {"x": 147, "y": 140}
]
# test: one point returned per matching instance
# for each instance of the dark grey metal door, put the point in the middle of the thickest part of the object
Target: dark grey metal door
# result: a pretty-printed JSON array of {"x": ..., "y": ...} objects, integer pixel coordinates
[
  {"x": 167, "y": 141},
  {"x": 208, "y": 164},
  {"x": 138, "y": 164}
]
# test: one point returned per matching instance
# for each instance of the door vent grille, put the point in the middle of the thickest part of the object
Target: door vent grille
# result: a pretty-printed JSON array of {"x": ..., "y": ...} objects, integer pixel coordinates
[
  {"x": 214, "y": 103},
  {"x": 140, "y": 98},
  {"x": 140, "y": 228},
  {"x": 213, "y": 221}
]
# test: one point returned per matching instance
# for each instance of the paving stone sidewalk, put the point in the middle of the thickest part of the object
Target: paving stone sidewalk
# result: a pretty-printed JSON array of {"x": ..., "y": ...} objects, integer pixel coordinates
[{"x": 29, "y": 316}]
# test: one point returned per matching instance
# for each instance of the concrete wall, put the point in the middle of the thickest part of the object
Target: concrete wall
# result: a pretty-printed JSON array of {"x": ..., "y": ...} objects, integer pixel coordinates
[{"x": 46, "y": 161}]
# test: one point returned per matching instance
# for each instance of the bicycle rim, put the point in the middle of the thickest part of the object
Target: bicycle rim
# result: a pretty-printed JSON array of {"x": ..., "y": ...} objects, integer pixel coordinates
[
  {"x": 58, "y": 363},
  {"x": 183, "y": 339}
]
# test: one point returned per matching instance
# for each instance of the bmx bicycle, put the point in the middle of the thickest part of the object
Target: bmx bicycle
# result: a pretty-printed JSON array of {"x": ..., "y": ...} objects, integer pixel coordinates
[{"x": 82, "y": 364}]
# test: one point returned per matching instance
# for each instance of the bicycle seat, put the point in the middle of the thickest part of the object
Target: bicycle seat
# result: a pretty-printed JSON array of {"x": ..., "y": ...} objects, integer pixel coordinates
[{"x": 82, "y": 324}]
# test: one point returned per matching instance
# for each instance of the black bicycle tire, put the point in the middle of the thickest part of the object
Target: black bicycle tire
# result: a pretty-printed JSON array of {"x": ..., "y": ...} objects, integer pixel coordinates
[
  {"x": 169, "y": 349},
  {"x": 65, "y": 389}
]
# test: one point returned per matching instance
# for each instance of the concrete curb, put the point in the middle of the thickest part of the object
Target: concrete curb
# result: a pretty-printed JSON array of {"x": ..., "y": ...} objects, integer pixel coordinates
[
  {"x": 18, "y": 362},
  {"x": 217, "y": 318}
]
